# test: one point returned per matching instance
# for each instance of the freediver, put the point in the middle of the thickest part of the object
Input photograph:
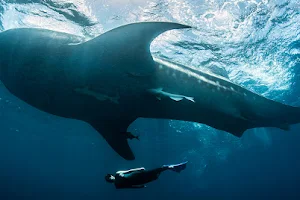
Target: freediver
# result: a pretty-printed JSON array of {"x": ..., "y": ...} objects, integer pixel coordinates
[
  {"x": 138, "y": 177},
  {"x": 130, "y": 136}
]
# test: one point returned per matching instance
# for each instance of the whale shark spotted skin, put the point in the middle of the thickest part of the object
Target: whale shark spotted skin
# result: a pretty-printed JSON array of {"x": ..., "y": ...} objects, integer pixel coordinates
[{"x": 77, "y": 80}]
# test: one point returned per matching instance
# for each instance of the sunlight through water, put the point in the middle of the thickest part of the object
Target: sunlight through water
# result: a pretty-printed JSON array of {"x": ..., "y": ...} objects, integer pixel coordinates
[{"x": 251, "y": 42}]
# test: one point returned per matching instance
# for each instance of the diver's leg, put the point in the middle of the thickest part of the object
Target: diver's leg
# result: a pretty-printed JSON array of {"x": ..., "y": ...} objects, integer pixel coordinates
[
  {"x": 154, "y": 173},
  {"x": 177, "y": 167}
]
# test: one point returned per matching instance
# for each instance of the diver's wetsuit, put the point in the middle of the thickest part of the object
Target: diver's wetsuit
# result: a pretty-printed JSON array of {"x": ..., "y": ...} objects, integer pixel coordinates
[{"x": 136, "y": 178}]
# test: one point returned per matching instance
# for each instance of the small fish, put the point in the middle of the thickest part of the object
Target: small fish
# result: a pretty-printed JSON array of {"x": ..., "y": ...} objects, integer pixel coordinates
[
  {"x": 176, "y": 97},
  {"x": 130, "y": 136},
  {"x": 98, "y": 96}
]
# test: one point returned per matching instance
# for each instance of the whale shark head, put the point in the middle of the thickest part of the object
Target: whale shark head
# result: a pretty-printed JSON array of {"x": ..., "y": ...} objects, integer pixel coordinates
[{"x": 118, "y": 52}]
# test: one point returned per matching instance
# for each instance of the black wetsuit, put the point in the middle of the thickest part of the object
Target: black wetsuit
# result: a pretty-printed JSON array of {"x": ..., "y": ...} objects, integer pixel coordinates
[{"x": 137, "y": 178}]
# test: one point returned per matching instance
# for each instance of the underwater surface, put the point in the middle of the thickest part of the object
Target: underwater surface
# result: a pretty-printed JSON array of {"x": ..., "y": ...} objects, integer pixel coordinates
[{"x": 254, "y": 43}]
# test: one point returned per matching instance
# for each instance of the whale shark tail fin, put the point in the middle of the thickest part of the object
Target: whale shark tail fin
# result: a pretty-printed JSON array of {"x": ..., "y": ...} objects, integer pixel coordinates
[
  {"x": 129, "y": 46},
  {"x": 288, "y": 116},
  {"x": 112, "y": 133},
  {"x": 270, "y": 113}
]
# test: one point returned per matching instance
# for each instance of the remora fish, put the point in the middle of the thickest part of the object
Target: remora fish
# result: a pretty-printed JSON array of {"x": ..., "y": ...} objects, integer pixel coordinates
[
  {"x": 98, "y": 96},
  {"x": 176, "y": 97}
]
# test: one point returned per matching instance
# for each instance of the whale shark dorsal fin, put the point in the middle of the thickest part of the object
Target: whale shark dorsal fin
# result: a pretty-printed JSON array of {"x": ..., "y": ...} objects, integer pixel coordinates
[{"x": 129, "y": 46}]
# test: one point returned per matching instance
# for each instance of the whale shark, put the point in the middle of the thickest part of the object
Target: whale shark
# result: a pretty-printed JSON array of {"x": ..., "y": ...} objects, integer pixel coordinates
[{"x": 113, "y": 79}]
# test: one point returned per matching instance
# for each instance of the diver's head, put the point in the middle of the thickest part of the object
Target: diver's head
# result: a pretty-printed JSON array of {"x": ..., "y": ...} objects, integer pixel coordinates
[{"x": 110, "y": 178}]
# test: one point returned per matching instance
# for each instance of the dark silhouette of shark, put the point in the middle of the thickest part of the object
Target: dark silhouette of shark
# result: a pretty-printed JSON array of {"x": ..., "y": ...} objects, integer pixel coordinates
[{"x": 112, "y": 80}]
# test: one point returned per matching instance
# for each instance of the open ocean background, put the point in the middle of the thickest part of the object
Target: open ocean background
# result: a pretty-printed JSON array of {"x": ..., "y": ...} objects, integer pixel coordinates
[{"x": 255, "y": 43}]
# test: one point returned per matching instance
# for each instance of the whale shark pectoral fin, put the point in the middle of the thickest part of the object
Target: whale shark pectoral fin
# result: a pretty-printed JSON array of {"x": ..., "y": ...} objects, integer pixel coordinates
[
  {"x": 128, "y": 46},
  {"x": 176, "y": 98},
  {"x": 111, "y": 132},
  {"x": 238, "y": 132},
  {"x": 238, "y": 128}
]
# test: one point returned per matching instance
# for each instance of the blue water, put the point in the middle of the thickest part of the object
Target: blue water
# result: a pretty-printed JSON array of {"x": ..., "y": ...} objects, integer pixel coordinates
[{"x": 253, "y": 43}]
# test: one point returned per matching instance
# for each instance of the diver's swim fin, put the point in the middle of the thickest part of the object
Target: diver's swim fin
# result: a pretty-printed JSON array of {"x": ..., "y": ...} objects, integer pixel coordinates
[{"x": 178, "y": 167}]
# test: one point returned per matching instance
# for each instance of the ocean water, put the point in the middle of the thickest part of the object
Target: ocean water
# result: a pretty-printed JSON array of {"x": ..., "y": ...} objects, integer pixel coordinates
[{"x": 255, "y": 43}]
